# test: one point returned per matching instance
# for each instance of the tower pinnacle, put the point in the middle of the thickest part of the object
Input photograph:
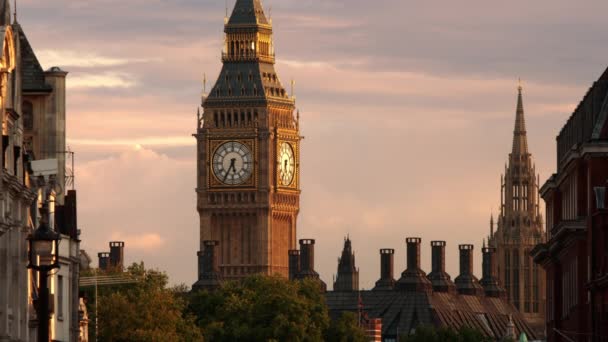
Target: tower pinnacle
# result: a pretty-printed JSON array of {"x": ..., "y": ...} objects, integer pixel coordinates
[
  {"x": 248, "y": 12},
  {"x": 520, "y": 139}
]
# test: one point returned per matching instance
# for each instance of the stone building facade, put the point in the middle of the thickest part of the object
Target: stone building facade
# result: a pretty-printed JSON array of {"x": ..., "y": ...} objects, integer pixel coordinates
[
  {"x": 16, "y": 198},
  {"x": 575, "y": 255},
  {"x": 519, "y": 229},
  {"x": 248, "y": 154},
  {"x": 33, "y": 128}
]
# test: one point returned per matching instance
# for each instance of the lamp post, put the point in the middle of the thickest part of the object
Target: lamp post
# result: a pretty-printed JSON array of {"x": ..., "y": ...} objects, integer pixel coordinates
[{"x": 43, "y": 257}]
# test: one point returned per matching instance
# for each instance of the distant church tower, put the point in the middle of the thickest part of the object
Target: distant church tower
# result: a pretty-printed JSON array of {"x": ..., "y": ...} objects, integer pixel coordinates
[
  {"x": 248, "y": 154},
  {"x": 347, "y": 278},
  {"x": 520, "y": 229}
]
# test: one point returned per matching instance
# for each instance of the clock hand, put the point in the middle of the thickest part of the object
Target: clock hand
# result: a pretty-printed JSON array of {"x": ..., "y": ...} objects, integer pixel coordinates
[
  {"x": 232, "y": 161},
  {"x": 285, "y": 170}
]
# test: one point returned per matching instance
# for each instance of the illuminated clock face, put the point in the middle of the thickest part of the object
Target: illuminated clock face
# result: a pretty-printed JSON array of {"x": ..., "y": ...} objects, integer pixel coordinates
[
  {"x": 287, "y": 164},
  {"x": 232, "y": 163}
]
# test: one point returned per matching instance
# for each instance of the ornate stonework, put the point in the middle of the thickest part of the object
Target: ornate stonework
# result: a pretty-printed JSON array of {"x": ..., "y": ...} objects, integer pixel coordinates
[
  {"x": 248, "y": 154},
  {"x": 519, "y": 229}
]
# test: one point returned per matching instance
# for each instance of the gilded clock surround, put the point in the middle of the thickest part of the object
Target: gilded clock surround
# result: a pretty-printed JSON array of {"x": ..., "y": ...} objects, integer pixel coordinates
[
  {"x": 216, "y": 184},
  {"x": 293, "y": 142}
]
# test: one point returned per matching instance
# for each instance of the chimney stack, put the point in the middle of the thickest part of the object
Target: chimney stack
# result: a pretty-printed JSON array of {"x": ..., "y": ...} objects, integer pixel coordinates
[
  {"x": 442, "y": 282},
  {"x": 209, "y": 275},
  {"x": 387, "y": 277},
  {"x": 294, "y": 263},
  {"x": 489, "y": 281},
  {"x": 307, "y": 262},
  {"x": 466, "y": 282},
  {"x": 104, "y": 259},
  {"x": 307, "y": 255},
  {"x": 117, "y": 254},
  {"x": 413, "y": 279}
]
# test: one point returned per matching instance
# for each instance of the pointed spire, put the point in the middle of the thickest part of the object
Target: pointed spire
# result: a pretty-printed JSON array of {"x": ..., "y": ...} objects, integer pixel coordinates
[
  {"x": 520, "y": 139},
  {"x": 248, "y": 12}
]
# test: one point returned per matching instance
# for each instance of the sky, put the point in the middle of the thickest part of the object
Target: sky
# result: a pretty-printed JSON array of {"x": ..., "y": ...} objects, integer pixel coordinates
[{"x": 407, "y": 108}]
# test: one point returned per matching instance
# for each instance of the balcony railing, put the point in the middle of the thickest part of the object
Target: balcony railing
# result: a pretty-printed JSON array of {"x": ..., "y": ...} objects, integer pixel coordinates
[{"x": 249, "y": 57}]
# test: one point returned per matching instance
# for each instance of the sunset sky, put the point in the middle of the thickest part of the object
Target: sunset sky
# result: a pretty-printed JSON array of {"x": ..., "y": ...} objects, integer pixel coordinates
[{"x": 407, "y": 110}]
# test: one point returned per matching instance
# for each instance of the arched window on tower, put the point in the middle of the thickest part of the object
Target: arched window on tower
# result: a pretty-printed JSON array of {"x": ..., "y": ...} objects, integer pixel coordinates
[
  {"x": 535, "y": 279},
  {"x": 28, "y": 115},
  {"x": 527, "y": 288},
  {"x": 508, "y": 273},
  {"x": 516, "y": 270}
]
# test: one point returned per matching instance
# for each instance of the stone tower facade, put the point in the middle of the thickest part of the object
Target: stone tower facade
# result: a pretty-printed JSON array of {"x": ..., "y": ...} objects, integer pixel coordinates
[
  {"x": 347, "y": 278},
  {"x": 519, "y": 229},
  {"x": 248, "y": 153}
]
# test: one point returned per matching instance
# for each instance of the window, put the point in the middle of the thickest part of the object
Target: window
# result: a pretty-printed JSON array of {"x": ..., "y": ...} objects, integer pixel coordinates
[
  {"x": 515, "y": 286},
  {"x": 28, "y": 116},
  {"x": 535, "y": 306},
  {"x": 508, "y": 273},
  {"x": 60, "y": 297},
  {"x": 527, "y": 281}
]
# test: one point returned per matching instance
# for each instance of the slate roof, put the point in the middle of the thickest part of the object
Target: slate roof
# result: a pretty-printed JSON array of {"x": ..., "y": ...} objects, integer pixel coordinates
[
  {"x": 248, "y": 12},
  {"x": 32, "y": 74},
  {"x": 401, "y": 312},
  {"x": 588, "y": 121},
  {"x": 248, "y": 82}
]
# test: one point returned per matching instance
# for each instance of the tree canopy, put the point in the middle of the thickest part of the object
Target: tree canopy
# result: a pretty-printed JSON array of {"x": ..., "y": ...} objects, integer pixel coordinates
[
  {"x": 145, "y": 311},
  {"x": 262, "y": 308}
]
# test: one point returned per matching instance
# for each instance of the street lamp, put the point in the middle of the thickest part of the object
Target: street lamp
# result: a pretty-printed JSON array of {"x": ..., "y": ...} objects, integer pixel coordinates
[{"x": 43, "y": 257}]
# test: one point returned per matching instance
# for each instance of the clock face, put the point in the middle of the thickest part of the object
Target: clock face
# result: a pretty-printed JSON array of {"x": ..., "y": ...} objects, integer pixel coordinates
[
  {"x": 287, "y": 164},
  {"x": 232, "y": 163}
]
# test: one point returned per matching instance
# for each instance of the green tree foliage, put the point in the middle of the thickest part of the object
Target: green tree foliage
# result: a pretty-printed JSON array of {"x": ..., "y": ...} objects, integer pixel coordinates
[
  {"x": 432, "y": 334},
  {"x": 145, "y": 311},
  {"x": 346, "y": 329},
  {"x": 262, "y": 308}
]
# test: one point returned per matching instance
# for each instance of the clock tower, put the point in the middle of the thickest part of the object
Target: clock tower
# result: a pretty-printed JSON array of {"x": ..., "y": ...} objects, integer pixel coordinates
[{"x": 248, "y": 154}]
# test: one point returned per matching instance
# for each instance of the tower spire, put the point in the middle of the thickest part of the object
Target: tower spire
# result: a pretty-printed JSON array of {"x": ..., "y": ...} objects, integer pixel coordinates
[
  {"x": 248, "y": 12},
  {"x": 520, "y": 139}
]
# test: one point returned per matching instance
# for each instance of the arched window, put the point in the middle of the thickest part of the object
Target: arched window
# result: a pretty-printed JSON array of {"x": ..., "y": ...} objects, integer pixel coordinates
[
  {"x": 527, "y": 287},
  {"x": 508, "y": 273},
  {"x": 515, "y": 287},
  {"x": 28, "y": 116}
]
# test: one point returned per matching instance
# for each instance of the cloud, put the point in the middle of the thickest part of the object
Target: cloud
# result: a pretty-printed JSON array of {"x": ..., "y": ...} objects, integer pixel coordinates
[
  {"x": 145, "y": 141},
  {"x": 103, "y": 80},
  {"x": 407, "y": 111},
  {"x": 67, "y": 58},
  {"x": 318, "y": 22},
  {"x": 145, "y": 242},
  {"x": 146, "y": 199}
]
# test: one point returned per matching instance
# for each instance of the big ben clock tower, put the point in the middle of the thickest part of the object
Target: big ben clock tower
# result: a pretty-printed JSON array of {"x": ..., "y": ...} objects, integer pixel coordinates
[{"x": 248, "y": 154}]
